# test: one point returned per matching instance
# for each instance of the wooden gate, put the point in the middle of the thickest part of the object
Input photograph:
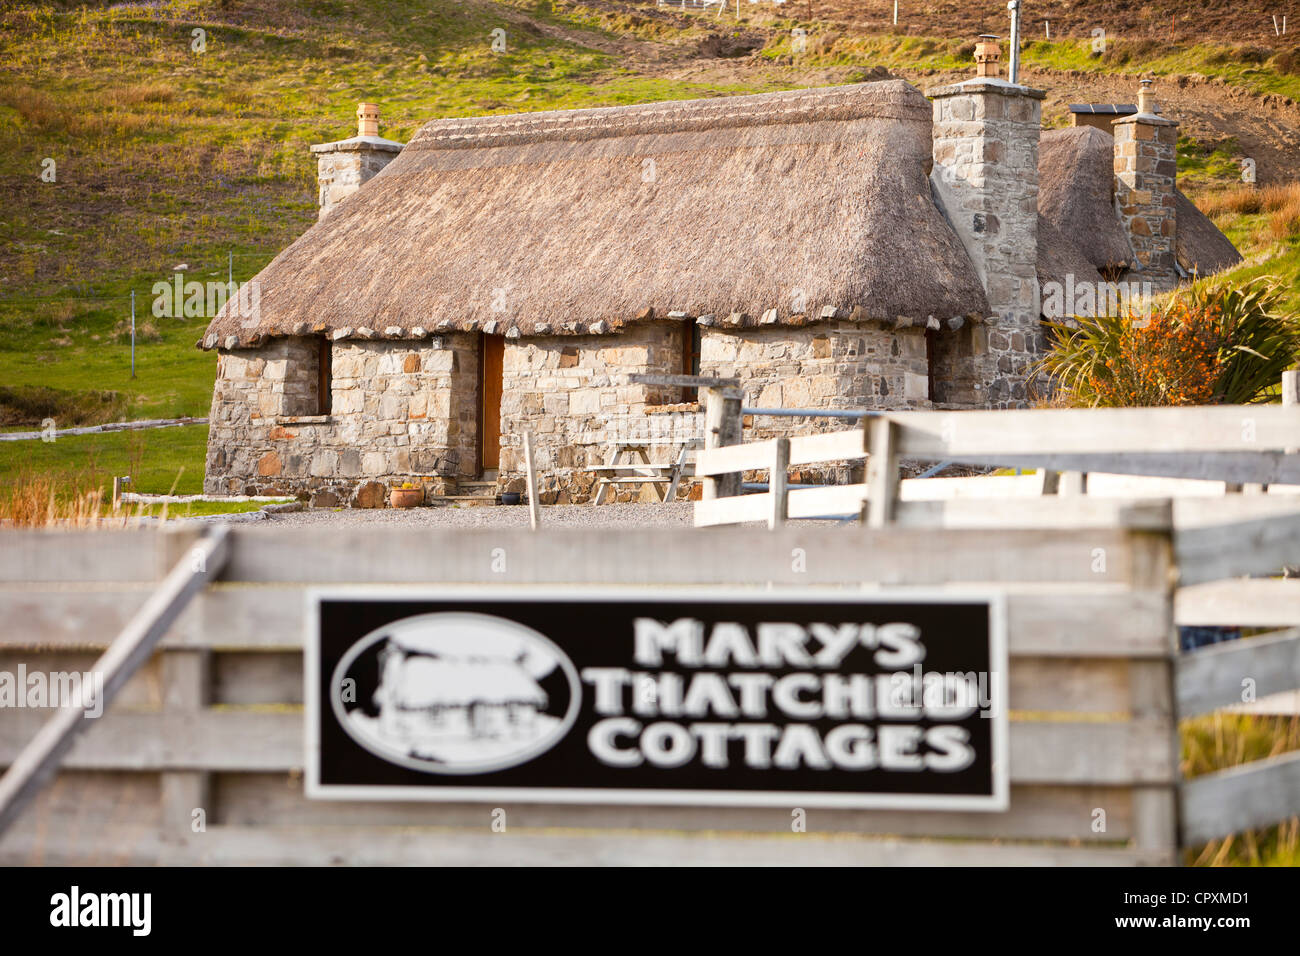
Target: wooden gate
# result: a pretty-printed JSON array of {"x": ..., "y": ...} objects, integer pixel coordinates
[{"x": 200, "y": 758}]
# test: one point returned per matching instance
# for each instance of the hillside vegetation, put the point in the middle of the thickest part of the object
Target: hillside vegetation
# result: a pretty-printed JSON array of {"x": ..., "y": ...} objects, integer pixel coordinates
[{"x": 172, "y": 148}]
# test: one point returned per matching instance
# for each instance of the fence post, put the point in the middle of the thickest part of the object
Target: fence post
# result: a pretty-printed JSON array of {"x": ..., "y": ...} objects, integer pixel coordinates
[
  {"x": 882, "y": 472},
  {"x": 187, "y": 691},
  {"x": 777, "y": 483},
  {"x": 1291, "y": 394},
  {"x": 722, "y": 427},
  {"x": 534, "y": 516}
]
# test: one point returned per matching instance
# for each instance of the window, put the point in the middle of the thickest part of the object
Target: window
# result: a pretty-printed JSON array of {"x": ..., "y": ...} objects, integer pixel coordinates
[{"x": 324, "y": 373}]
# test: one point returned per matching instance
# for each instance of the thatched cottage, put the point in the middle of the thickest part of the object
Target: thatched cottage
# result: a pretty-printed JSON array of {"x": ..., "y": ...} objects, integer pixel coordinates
[{"x": 856, "y": 246}]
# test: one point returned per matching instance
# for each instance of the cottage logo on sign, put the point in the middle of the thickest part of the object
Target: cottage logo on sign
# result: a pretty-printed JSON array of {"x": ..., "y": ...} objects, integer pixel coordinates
[{"x": 456, "y": 693}]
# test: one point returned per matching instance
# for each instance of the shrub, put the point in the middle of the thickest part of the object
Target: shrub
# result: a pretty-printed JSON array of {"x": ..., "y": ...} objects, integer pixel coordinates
[
  {"x": 1213, "y": 343},
  {"x": 1288, "y": 61}
]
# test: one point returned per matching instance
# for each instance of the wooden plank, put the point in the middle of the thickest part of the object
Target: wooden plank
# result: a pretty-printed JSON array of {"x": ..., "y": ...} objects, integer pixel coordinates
[
  {"x": 142, "y": 692},
  {"x": 1248, "y": 797},
  {"x": 1258, "y": 602},
  {"x": 334, "y": 846},
  {"x": 682, "y": 381},
  {"x": 1047, "y": 619},
  {"x": 1216, "y": 676},
  {"x": 98, "y": 817},
  {"x": 1034, "y": 813},
  {"x": 1232, "y": 466},
  {"x": 723, "y": 426},
  {"x": 778, "y": 480},
  {"x": 1260, "y": 546},
  {"x": 737, "y": 509},
  {"x": 33, "y": 766},
  {"x": 1049, "y": 752},
  {"x": 981, "y": 486},
  {"x": 1205, "y": 511},
  {"x": 1060, "y": 431},
  {"x": 828, "y": 446},
  {"x": 915, "y": 556},
  {"x": 187, "y": 689},
  {"x": 534, "y": 518},
  {"x": 58, "y": 557},
  {"x": 1038, "y": 682},
  {"x": 243, "y": 678},
  {"x": 1044, "y": 511},
  {"x": 830, "y": 500},
  {"x": 882, "y": 474},
  {"x": 751, "y": 456}
]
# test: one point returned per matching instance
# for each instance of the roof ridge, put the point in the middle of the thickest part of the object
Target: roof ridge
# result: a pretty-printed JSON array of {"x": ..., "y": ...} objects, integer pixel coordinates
[{"x": 886, "y": 99}]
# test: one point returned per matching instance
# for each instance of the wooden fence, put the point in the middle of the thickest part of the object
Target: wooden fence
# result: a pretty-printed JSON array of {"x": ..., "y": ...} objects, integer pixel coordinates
[
  {"x": 1235, "y": 445},
  {"x": 210, "y": 729}
]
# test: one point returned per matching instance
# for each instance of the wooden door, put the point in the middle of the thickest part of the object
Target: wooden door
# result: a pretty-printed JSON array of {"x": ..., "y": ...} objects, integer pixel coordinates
[{"x": 492, "y": 352}]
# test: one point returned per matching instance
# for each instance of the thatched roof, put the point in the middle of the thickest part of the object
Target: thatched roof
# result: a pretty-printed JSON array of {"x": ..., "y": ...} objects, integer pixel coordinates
[
  {"x": 1202, "y": 248},
  {"x": 1059, "y": 257},
  {"x": 452, "y": 682},
  {"x": 1076, "y": 195},
  {"x": 582, "y": 221}
]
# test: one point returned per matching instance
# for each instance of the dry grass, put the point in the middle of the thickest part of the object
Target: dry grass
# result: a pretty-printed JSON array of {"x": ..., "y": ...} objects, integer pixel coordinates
[
  {"x": 39, "y": 501},
  {"x": 1282, "y": 201},
  {"x": 1222, "y": 740},
  {"x": 35, "y": 502}
]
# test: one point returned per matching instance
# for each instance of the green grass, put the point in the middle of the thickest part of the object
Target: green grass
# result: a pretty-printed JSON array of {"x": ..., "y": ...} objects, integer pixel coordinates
[
  {"x": 167, "y": 156},
  {"x": 159, "y": 461},
  {"x": 197, "y": 509}
]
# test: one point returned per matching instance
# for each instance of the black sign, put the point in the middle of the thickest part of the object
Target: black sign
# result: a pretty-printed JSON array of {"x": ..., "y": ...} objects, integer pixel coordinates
[{"x": 826, "y": 699}]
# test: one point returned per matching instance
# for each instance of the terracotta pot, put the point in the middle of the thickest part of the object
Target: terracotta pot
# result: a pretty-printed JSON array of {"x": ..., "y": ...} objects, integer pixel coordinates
[{"x": 407, "y": 497}]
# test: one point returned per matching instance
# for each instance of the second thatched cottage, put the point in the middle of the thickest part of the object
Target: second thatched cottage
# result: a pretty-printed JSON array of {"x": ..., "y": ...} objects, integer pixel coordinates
[{"x": 855, "y": 246}]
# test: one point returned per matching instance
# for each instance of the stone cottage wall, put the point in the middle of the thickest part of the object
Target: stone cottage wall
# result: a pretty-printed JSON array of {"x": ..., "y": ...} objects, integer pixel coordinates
[
  {"x": 400, "y": 411},
  {"x": 571, "y": 392},
  {"x": 828, "y": 365}
]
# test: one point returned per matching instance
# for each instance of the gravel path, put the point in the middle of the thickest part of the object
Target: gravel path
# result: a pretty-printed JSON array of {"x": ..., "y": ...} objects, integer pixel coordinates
[{"x": 501, "y": 516}]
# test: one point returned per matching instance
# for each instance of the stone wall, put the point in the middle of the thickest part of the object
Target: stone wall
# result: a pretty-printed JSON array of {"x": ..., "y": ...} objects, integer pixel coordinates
[
  {"x": 399, "y": 412},
  {"x": 827, "y": 365},
  {"x": 402, "y": 411},
  {"x": 567, "y": 392},
  {"x": 342, "y": 168},
  {"x": 986, "y": 180},
  {"x": 572, "y": 394}
]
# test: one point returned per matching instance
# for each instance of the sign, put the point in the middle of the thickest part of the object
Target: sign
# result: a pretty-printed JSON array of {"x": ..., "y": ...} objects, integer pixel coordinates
[{"x": 669, "y": 696}]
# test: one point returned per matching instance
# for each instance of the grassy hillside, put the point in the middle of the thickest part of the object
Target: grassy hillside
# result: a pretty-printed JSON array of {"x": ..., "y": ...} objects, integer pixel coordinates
[{"x": 170, "y": 152}]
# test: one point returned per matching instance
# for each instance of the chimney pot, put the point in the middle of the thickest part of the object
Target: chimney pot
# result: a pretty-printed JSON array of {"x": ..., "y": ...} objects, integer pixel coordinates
[
  {"x": 1147, "y": 97},
  {"x": 987, "y": 53},
  {"x": 367, "y": 119}
]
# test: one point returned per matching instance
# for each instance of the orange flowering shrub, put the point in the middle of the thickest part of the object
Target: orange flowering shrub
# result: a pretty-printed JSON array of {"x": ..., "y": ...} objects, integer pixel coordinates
[{"x": 1210, "y": 344}]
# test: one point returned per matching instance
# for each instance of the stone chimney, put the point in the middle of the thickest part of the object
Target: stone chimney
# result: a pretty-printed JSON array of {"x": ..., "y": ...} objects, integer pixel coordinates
[
  {"x": 1146, "y": 171},
  {"x": 985, "y": 178},
  {"x": 345, "y": 166}
]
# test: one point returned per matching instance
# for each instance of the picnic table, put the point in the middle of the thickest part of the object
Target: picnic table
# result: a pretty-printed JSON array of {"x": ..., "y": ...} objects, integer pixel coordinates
[{"x": 644, "y": 472}]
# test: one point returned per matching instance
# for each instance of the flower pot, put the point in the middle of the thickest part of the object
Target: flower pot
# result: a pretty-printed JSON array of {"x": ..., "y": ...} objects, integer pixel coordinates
[
  {"x": 511, "y": 497},
  {"x": 407, "y": 497}
]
